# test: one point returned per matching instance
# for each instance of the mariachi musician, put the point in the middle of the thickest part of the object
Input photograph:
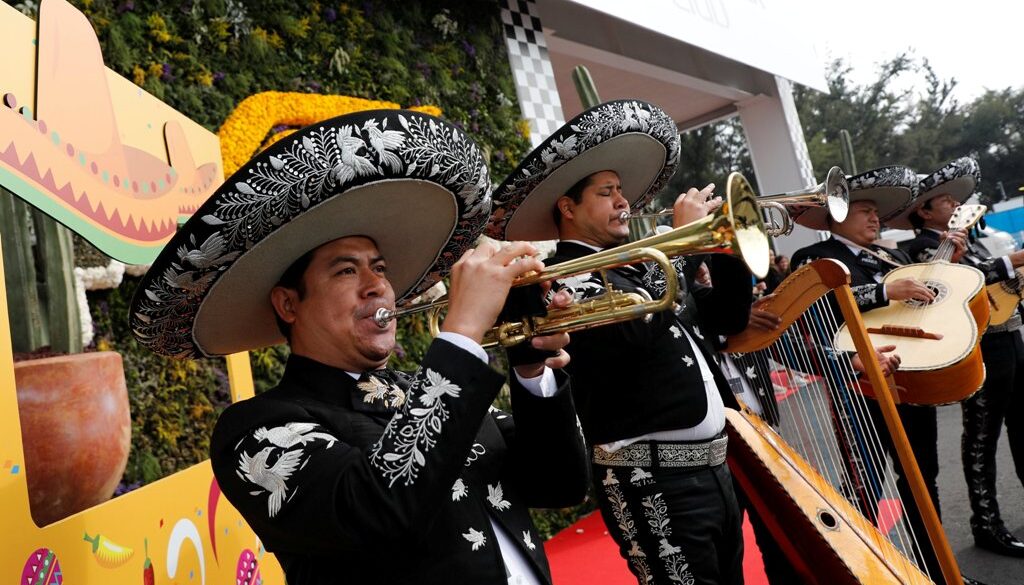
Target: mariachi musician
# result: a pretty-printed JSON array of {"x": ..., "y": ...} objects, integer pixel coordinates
[
  {"x": 876, "y": 196},
  {"x": 347, "y": 470},
  {"x": 651, "y": 397},
  {"x": 1002, "y": 350}
]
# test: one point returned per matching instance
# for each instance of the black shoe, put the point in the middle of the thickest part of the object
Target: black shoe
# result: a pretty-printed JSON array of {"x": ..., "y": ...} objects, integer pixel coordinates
[
  {"x": 1000, "y": 541},
  {"x": 969, "y": 581}
]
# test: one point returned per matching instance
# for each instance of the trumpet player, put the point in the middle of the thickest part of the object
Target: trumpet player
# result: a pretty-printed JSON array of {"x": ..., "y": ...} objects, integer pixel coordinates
[
  {"x": 347, "y": 469},
  {"x": 651, "y": 397}
]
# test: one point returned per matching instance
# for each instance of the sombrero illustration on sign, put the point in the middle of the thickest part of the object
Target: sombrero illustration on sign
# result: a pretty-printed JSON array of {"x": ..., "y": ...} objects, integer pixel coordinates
[
  {"x": 416, "y": 185},
  {"x": 635, "y": 139}
]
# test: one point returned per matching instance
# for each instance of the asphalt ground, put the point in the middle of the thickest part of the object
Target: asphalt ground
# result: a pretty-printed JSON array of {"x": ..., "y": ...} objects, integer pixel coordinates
[{"x": 977, "y": 563}]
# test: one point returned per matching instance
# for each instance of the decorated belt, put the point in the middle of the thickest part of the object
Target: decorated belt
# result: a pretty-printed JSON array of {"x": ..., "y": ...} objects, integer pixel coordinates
[
  {"x": 1011, "y": 324},
  {"x": 665, "y": 454}
]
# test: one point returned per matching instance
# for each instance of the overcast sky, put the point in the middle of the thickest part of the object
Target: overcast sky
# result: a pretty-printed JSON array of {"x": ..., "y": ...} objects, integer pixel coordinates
[{"x": 979, "y": 42}]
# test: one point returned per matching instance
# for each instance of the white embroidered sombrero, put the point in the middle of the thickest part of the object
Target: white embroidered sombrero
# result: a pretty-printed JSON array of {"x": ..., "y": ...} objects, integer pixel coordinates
[
  {"x": 891, "y": 188},
  {"x": 957, "y": 178},
  {"x": 635, "y": 139},
  {"x": 415, "y": 184}
]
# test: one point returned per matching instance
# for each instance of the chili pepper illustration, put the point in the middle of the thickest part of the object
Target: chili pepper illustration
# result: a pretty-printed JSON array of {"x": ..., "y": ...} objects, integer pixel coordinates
[
  {"x": 108, "y": 554},
  {"x": 148, "y": 578}
]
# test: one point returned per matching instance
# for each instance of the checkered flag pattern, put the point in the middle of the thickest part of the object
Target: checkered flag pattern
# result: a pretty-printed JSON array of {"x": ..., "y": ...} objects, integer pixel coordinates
[
  {"x": 531, "y": 68},
  {"x": 796, "y": 132}
]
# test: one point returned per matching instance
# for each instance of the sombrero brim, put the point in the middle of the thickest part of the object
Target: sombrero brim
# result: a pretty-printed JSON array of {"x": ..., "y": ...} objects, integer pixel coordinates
[
  {"x": 891, "y": 188},
  {"x": 414, "y": 184},
  {"x": 635, "y": 139},
  {"x": 958, "y": 178}
]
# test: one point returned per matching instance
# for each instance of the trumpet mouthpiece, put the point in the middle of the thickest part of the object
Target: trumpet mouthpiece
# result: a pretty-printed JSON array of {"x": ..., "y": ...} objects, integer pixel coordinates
[
  {"x": 624, "y": 217},
  {"x": 382, "y": 317}
]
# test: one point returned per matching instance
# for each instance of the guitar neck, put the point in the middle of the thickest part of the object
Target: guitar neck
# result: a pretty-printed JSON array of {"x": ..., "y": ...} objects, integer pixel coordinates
[{"x": 944, "y": 252}]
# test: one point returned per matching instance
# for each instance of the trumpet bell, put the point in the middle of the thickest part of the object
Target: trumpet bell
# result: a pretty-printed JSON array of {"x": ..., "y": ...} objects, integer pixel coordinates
[
  {"x": 744, "y": 215},
  {"x": 837, "y": 194}
]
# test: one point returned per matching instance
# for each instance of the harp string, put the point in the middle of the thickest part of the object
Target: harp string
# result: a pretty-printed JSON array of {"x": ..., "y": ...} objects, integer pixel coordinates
[
  {"x": 873, "y": 475},
  {"x": 904, "y": 537},
  {"x": 826, "y": 419}
]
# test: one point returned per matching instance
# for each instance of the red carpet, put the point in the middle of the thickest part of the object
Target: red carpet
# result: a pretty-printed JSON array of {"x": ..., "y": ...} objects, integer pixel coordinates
[{"x": 584, "y": 554}]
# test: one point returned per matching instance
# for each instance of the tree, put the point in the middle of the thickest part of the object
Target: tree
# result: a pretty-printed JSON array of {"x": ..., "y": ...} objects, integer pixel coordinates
[{"x": 870, "y": 113}]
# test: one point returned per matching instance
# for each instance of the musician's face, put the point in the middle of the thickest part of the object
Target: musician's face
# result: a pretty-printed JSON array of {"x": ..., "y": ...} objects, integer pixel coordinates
[
  {"x": 345, "y": 283},
  {"x": 938, "y": 211},
  {"x": 861, "y": 224},
  {"x": 595, "y": 219}
]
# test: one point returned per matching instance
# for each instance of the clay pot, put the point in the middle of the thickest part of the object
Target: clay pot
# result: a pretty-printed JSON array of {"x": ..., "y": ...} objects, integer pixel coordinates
[{"x": 76, "y": 431}]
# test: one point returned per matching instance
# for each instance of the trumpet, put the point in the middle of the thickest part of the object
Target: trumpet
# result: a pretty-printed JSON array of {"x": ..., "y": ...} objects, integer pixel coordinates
[
  {"x": 735, "y": 229},
  {"x": 833, "y": 194}
]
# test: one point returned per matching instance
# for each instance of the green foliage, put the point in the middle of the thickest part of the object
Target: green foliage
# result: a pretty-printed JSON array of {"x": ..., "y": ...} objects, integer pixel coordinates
[
  {"x": 922, "y": 129},
  {"x": 550, "y": 522},
  {"x": 174, "y": 403}
]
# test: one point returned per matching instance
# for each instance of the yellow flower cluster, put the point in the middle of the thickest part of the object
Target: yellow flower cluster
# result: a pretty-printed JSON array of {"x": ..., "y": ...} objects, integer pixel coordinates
[{"x": 243, "y": 133}]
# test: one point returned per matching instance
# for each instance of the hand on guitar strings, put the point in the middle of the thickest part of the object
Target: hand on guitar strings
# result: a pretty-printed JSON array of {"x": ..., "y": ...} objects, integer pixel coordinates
[
  {"x": 908, "y": 289},
  {"x": 888, "y": 363}
]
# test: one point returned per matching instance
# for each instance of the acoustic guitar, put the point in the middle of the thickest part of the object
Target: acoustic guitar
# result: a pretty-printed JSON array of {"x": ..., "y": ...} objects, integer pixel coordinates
[
  {"x": 1005, "y": 296},
  {"x": 938, "y": 341}
]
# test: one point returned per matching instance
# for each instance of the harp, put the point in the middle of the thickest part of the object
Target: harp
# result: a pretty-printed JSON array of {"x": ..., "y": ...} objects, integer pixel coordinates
[{"x": 814, "y": 461}]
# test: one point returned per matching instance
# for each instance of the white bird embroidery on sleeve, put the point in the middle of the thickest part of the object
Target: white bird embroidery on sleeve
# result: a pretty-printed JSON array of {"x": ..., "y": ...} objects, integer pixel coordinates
[
  {"x": 292, "y": 434},
  {"x": 495, "y": 495},
  {"x": 272, "y": 479},
  {"x": 476, "y": 537},
  {"x": 751, "y": 373},
  {"x": 436, "y": 387},
  {"x": 459, "y": 490}
]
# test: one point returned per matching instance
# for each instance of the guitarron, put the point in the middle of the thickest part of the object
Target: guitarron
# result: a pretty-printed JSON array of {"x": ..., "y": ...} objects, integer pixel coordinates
[{"x": 938, "y": 342}]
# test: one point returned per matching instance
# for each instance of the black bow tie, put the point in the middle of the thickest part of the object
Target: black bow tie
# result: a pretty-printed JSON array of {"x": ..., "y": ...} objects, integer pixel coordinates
[{"x": 381, "y": 388}]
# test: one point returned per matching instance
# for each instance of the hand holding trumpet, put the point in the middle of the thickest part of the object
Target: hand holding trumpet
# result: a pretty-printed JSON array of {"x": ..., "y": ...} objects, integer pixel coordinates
[{"x": 694, "y": 205}]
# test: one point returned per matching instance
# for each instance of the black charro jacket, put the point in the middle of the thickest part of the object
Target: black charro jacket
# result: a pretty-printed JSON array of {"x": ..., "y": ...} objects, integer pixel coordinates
[
  {"x": 343, "y": 487},
  {"x": 868, "y": 293},
  {"x": 639, "y": 377}
]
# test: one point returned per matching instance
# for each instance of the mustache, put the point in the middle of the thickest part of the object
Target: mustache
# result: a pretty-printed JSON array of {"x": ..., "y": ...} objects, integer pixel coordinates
[{"x": 370, "y": 309}]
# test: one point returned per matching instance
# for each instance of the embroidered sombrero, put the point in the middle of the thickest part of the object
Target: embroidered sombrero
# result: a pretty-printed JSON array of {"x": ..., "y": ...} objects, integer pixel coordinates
[
  {"x": 413, "y": 183},
  {"x": 957, "y": 178},
  {"x": 637, "y": 140},
  {"x": 891, "y": 188}
]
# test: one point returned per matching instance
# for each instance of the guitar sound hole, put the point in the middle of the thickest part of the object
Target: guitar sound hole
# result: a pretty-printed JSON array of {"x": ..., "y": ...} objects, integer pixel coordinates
[
  {"x": 827, "y": 519},
  {"x": 939, "y": 289}
]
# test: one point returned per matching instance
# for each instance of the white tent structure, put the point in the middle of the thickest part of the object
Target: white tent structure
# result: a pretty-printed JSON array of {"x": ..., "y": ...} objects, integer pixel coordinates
[{"x": 699, "y": 60}]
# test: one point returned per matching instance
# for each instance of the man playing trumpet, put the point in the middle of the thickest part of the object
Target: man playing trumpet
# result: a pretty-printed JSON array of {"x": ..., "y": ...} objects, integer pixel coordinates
[
  {"x": 651, "y": 397},
  {"x": 346, "y": 470}
]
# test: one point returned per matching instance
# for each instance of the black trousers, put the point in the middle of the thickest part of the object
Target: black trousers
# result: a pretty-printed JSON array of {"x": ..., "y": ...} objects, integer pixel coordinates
[
  {"x": 674, "y": 525},
  {"x": 1000, "y": 400}
]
